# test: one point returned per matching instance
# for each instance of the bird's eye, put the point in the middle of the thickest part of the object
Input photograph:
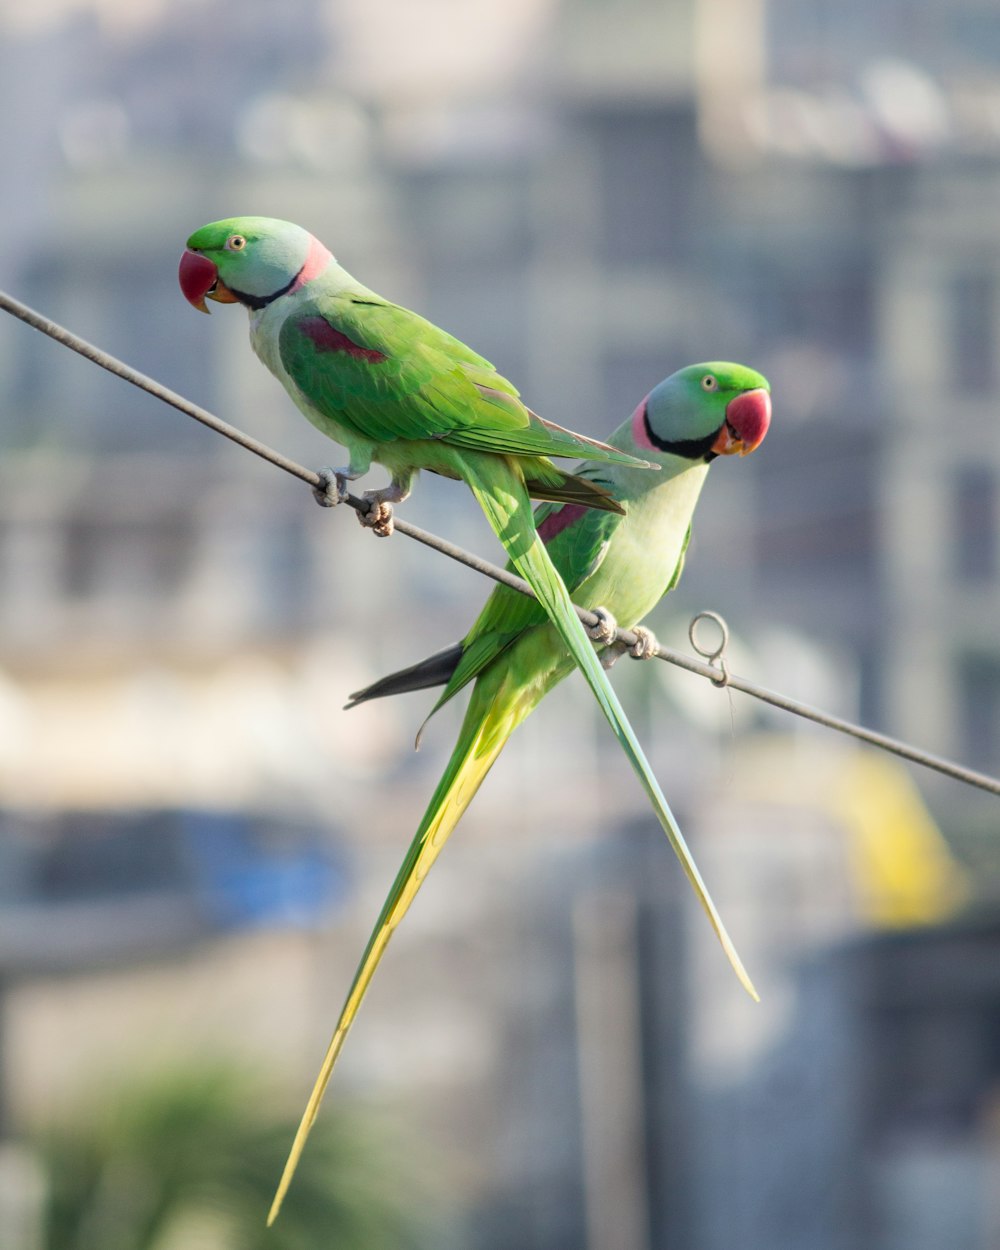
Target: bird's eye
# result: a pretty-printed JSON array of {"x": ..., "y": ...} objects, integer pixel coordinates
[
  {"x": 710, "y": 382},
  {"x": 236, "y": 243}
]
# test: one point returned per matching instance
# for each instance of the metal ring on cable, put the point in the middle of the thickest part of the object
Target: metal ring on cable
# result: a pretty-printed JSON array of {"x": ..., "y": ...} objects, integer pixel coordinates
[{"x": 716, "y": 657}]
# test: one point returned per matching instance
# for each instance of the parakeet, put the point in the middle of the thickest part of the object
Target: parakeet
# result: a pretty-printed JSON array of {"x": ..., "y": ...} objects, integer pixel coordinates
[
  {"x": 394, "y": 388},
  {"x": 620, "y": 562}
]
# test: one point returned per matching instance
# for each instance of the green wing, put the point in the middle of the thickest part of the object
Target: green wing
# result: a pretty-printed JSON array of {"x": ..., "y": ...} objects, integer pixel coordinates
[
  {"x": 385, "y": 374},
  {"x": 382, "y": 372}
]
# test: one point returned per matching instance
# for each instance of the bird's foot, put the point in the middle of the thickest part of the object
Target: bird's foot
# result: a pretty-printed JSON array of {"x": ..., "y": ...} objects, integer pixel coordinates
[
  {"x": 377, "y": 517},
  {"x": 645, "y": 646},
  {"x": 604, "y": 631},
  {"x": 332, "y": 488}
]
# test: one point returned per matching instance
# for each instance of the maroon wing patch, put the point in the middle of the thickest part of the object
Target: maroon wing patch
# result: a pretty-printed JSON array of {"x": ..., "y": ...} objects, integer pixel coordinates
[
  {"x": 329, "y": 339},
  {"x": 560, "y": 520}
]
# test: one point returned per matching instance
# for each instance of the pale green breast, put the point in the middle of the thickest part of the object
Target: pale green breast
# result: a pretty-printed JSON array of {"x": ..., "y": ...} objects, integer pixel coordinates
[
  {"x": 265, "y": 327},
  {"x": 638, "y": 566},
  {"x": 644, "y": 550}
]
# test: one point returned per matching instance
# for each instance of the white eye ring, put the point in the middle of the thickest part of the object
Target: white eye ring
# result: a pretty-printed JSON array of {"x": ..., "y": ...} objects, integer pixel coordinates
[
  {"x": 236, "y": 243},
  {"x": 710, "y": 382}
]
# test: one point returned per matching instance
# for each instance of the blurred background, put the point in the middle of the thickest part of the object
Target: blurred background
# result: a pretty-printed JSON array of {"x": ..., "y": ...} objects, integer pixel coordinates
[{"x": 195, "y": 839}]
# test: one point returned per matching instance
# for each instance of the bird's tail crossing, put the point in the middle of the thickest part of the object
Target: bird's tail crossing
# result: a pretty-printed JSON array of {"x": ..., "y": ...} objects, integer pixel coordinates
[{"x": 499, "y": 487}]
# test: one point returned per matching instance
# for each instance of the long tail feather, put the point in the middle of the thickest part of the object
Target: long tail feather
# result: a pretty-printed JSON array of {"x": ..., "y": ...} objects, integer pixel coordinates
[
  {"x": 487, "y": 726},
  {"x": 501, "y": 495},
  {"x": 436, "y": 670}
]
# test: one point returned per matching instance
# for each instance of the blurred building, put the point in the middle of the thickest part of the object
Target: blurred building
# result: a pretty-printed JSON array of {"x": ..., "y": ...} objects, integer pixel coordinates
[{"x": 593, "y": 194}]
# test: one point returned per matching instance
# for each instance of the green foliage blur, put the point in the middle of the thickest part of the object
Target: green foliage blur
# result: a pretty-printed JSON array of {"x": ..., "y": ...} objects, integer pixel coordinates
[{"x": 189, "y": 1160}]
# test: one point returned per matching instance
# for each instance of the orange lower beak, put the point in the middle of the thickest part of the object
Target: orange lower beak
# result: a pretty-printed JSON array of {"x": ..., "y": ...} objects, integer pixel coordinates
[
  {"x": 747, "y": 417},
  {"x": 221, "y": 294},
  {"x": 728, "y": 443},
  {"x": 199, "y": 280}
]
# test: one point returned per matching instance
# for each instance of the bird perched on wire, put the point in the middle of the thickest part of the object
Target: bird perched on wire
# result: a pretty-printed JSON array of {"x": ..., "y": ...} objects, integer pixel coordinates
[
  {"x": 393, "y": 388},
  {"x": 619, "y": 562}
]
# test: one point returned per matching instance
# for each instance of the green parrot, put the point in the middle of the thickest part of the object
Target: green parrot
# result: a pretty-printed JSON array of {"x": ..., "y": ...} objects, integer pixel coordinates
[
  {"x": 619, "y": 563},
  {"x": 393, "y": 388}
]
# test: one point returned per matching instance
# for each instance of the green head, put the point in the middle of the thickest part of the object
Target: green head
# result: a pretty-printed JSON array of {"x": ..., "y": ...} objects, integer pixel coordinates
[
  {"x": 703, "y": 411},
  {"x": 248, "y": 260}
]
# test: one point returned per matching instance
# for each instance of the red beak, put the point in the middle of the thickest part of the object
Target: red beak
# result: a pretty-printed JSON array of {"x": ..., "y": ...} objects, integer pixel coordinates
[
  {"x": 199, "y": 277},
  {"x": 747, "y": 417}
]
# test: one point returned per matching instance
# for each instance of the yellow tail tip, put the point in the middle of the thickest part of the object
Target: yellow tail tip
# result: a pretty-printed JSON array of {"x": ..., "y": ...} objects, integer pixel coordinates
[
  {"x": 734, "y": 959},
  {"x": 745, "y": 981},
  {"x": 744, "y": 976},
  {"x": 279, "y": 1196}
]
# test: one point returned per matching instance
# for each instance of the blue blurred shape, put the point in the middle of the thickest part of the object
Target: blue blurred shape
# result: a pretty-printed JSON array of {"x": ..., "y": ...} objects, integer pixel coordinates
[
  {"x": 85, "y": 889},
  {"x": 250, "y": 871}
]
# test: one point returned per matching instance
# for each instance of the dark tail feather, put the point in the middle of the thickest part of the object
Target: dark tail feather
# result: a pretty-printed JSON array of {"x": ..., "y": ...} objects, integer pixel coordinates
[
  {"x": 436, "y": 670},
  {"x": 573, "y": 489}
]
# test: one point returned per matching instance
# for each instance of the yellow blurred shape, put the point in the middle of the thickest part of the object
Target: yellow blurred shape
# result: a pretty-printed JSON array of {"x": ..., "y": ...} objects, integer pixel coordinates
[
  {"x": 901, "y": 866},
  {"x": 904, "y": 866}
]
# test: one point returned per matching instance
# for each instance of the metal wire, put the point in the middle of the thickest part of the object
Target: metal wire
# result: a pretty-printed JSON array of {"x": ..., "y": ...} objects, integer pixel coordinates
[{"x": 712, "y": 666}]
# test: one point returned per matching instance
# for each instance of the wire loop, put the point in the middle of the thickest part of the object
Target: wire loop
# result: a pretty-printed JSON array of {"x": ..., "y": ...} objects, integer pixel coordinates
[{"x": 715, "y": 658}]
